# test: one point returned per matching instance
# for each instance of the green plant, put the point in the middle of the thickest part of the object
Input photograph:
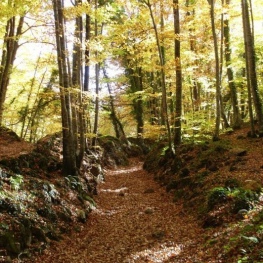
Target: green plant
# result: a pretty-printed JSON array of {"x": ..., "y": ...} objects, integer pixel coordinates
[
  {"x": 216, "y": 196},
  {"x": 73, "y": 182},
  {"x": 16, "y": 181},
  {"x": 164, "y": 150}
]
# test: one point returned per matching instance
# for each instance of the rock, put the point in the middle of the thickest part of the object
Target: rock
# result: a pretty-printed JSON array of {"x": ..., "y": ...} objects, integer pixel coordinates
[
  {"x": 242, "y": 204},
  {"x": 9, "y": 206},
  {"x": 39, "y": 234},
  {"x": 82, "y": 216},
  {"x": 9, "y": 242},
  {"x": 48, "y": 213},
  {"x": 64, "y": 215}
]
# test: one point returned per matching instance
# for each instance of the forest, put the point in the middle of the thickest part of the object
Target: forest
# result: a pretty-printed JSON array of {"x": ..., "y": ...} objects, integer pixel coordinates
[{"x": 173, "y": 77}]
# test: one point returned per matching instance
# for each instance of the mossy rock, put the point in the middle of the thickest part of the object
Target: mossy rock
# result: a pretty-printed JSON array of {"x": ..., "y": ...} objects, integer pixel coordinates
[
  {"x": 10, "y": 206},
  {"x": 38, "y": 234},
  {"x": 48, "y": 213},
  {"x": 216, "y": 196},
  {"x": 82, "y": 216},
  {"x": 232, "y": 183},
  {"x": 241, "y": 204},
  {"x": 10, "y": 243},
  {"x": 154, "y": 158},
  {"x": 243, "y": 199}
]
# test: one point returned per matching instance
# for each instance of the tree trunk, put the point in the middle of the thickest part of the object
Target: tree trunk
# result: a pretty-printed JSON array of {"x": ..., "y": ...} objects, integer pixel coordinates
[
  {"x": 9, "y": 50},
  {"x": 77, "y": 104},
  {"x": 135, "y": 77},
  {"x": 251, "y": 63},
  {"x": 163, "y": 82},
  {"x": 97, "y": 82},
  {"x": 119, "y": 131},
  {"x": 217, "y": 76},
  {"x": 178, "y": 71},
  {"x": 69, "y": 150},
  {"x": 237, "y": 121},
  {"x": 87, "y": 52}
]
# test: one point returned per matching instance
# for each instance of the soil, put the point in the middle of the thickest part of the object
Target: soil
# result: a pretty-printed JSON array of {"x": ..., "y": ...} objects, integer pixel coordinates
[
  {"x": 11, "y": 145},
  {"x": 137, "y": 220}
]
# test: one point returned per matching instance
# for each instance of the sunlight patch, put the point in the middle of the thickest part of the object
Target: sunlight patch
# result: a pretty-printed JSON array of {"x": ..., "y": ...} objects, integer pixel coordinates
[
  {"x": 155, "y": 255},
  {"x": 119, "y": 190},
  {"x": 130, "y": 170}
]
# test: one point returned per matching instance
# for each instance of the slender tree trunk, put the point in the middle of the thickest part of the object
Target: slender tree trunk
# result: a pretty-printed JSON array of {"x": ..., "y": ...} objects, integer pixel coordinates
[
  {"x": 97, "y": 73},
  {"x": 9, "y": 51},
  {"x": 87, "y": 52},
  {"x": 163, "y": 82},
  {"x": 69, "y": 150},
  {"x": 87, "y": 124},
  {"x": 118, "y": 127},
  {"x": 237, "y": 121},
  {"x": 178, "y": 71},
  {"x": 251, "y": 63},
  {"x": 217, "y": 76},
  {"x": 77, "y": 103},
  {"x": 135, "y": 76}
]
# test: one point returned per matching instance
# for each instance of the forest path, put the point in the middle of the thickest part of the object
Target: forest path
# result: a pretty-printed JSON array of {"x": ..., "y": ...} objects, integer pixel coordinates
[{"x": 135, "y": 221}]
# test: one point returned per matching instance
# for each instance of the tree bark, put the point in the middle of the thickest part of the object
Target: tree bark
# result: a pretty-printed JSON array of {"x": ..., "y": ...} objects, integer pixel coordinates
[
  {"x": 237, "y": 121},
  {"x": 87, "y": 52},
  {"x": 178, "y": 72},
  {"x": 10, "y": 47},
  {"x": 251, "y": 63},
  {"x": 118, "y": 127},
  {"x": 217, "y": 75},
  {"x": 69, "y": 150},
  {"x": 163, "y": 82},
  {"x": 77, "y": 103},
  {"x": 97, "y": 73}
]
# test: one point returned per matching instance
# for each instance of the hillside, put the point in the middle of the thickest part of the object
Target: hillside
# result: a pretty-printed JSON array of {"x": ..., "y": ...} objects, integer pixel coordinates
[{"x": 203, "y": 205}]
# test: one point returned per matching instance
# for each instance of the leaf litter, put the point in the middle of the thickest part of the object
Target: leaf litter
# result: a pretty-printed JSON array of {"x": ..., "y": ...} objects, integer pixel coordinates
[{"x": 121, "y": 230}]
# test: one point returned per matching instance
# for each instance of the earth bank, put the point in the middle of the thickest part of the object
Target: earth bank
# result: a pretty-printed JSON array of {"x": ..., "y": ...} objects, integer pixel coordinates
[
  {"x": 37, "y": 204},
  {"x": 217, "y": 183}
]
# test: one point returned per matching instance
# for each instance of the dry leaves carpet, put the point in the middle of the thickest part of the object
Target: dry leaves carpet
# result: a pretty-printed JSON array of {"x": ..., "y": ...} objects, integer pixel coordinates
[{"x": 135, "y": 221}]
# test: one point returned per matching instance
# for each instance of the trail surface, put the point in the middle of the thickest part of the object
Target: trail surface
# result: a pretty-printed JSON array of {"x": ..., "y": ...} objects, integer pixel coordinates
[{"x": 135, "y": 221}]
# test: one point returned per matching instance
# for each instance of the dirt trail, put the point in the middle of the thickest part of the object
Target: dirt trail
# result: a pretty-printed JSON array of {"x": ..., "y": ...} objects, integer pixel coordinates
[{"x": 135, "y": 221}]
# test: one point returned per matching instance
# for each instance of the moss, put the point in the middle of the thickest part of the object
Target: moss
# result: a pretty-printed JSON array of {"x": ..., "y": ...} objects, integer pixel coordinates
[{"x": 216, "y": 196}]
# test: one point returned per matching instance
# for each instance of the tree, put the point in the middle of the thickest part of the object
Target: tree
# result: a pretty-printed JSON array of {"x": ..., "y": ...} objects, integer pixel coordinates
[
  {"x": 251, "y": 62},
  {"x": 118, "y": 127},
  {"x": 162, "y": 73},
  {"x": 236, "y": 123},
  {"x": 217, "y": 71},
  {"x": 87, "y": 51},
  {"x": 69, "y": 150},
  {"x": 12, "y": 35},
  {"x": 178, "y": 70},
  {"x": 78, "y": 120}
]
